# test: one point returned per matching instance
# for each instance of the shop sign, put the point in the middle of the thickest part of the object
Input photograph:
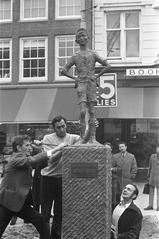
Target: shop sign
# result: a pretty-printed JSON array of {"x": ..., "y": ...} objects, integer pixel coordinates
[
  {"x": 142, "y": 72},
  {"x": 107, "y": 90}
]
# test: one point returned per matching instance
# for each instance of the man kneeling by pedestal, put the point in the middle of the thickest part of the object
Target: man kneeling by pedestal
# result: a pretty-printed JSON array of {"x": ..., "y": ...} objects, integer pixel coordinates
[{"x": 127, "y": 217}]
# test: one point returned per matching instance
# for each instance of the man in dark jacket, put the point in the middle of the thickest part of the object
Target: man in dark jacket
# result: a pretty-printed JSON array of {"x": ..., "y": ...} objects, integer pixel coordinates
[
  {"x": 127, "y": 217},
  {"x": 15, "y": 189}
]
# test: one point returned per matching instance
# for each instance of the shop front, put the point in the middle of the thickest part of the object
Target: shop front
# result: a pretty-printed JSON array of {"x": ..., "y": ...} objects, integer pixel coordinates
[
  {"x": 31, "y": 111},
  {"x": 135, "y": 119}
]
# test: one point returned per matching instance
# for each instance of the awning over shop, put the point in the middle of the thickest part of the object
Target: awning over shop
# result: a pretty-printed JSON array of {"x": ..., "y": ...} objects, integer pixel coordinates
[
  {"x": 65, "y": 104},
  {"x": 41, "y": 105},
  {"x": 133, "y": 103},
  {"x": 37, "y": 105}
]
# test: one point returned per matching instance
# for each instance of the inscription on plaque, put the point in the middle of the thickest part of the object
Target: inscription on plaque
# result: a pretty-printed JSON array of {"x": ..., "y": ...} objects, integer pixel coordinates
[{"x": 84, "y": 170}]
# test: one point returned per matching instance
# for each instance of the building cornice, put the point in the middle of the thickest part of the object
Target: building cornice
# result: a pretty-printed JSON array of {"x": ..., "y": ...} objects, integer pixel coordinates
[
  {"x": 110, "y": 4},
  {"x": 119, "y": 70},
  {"x": 36, "y": 86}
]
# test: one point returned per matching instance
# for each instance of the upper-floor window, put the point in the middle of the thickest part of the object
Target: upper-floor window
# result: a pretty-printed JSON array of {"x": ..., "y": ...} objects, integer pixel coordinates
[
  {"x": 5, "y": 10},
  {"x": 34, "y": 9},
  {"x": 68, "y": 9},
  {"x": 33, "y": 59},
  {"x": 123, "y": 35},
  {"x": 5, "y": 60},
  {"x": 65, "y": 48}
]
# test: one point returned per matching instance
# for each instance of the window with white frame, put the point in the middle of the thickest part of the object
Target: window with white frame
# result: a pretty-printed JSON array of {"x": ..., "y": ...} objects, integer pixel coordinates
[
  {"x": 123, "y": 34},
  {"x": 5, "y": 10},
  {"x": 33, "y": 60},
  {"x": 34, "y": 9},
  {"x": 65, "y": 48},
  {"x": 5, "y": 60},
  {"x": 68, "y": 8}
]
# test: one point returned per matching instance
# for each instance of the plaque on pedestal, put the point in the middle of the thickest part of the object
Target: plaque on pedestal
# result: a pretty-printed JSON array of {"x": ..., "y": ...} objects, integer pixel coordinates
[{"x": 86, "y": 192}]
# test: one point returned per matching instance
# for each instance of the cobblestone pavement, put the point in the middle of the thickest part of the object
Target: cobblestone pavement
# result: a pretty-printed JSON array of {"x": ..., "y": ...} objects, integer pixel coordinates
[
  {"x": 20, "y": 231},
  {"x": 150, "y": 227}
]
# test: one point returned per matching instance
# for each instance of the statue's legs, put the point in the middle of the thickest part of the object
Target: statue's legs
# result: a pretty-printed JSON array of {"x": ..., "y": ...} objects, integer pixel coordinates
[
  {"x": 92, "y": 133},
  {"x": 92, "y": 126},
  {"x": 83, "y": 107}
]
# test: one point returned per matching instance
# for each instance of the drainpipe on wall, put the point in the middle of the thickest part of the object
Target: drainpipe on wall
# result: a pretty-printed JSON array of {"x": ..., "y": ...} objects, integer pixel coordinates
[{"x": 83, "y": 15}]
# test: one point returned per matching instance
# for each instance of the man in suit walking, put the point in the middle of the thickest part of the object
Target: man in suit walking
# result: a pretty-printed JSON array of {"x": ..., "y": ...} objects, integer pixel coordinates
[
  {"x": 126, "y": 162},
  {"x": 15, "y": 188}
]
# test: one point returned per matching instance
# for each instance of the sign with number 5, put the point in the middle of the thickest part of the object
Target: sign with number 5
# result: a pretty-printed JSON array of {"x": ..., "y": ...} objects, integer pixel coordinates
[{"x": 107, "y": 91}]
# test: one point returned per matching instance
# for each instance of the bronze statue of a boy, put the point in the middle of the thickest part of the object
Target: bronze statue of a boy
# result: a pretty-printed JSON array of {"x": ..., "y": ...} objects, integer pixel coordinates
[{"x": 86, "y": 82}]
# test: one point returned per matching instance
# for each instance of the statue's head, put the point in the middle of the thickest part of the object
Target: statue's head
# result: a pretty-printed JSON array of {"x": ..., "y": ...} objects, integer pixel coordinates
[{"x": 81, "y": 34}]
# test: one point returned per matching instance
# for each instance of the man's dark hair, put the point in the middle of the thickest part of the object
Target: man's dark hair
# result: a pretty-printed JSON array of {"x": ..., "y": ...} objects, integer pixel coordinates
[
  {"x": 19, "y": 140},
  {"x": 136, "y": 191},
  {"x": 108, "y": 143},
  {"x": 122, "y": 142},
  {"x": 58, "y": 119}
]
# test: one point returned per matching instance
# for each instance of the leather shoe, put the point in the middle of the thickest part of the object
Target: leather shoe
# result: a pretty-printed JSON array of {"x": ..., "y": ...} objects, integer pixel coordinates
[
  {"x": 13, "y": 220},
  {"x": 148, "y": 208}
]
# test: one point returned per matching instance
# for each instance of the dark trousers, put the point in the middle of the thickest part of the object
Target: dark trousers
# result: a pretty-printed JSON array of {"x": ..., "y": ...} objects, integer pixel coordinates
[
  {"x": 27, "y": 213},
  {"x": 51, "y": 192}
]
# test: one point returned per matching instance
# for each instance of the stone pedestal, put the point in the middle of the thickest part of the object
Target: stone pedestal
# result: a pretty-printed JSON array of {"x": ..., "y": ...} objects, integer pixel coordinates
[{"x": 86, "y": 193}]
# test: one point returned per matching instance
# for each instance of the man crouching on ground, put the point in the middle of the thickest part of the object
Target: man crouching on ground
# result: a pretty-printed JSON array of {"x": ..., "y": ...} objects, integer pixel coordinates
[
  {"x": 15, "y": 189},
  {"x": 127, "y": 217}
]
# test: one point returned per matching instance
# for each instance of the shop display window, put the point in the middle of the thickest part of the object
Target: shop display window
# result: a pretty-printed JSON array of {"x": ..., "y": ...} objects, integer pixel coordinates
[{"x": 141, "y": 136}]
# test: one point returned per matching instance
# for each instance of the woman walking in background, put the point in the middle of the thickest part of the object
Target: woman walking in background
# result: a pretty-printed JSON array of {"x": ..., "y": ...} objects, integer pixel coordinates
[{"x": 153, "y": 175}]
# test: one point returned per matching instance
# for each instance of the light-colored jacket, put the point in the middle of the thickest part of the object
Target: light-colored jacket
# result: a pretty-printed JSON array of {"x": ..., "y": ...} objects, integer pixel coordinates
[
  {"x": 153, "y": 172},
  {"x": 128, "y": 166}
]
